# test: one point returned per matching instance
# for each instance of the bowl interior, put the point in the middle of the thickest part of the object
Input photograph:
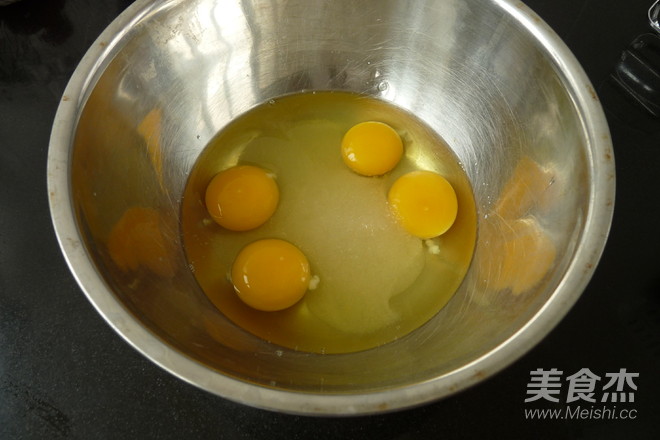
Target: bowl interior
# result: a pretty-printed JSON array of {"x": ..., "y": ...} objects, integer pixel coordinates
[{"x": 166, "y": 77}]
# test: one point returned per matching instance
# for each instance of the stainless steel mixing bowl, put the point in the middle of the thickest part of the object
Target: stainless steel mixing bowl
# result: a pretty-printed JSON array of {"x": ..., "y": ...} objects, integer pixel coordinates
[{"x": 487, "y": 75}]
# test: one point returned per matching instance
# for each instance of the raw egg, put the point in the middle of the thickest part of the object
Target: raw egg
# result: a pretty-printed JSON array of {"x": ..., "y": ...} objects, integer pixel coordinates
[
  {"x": 371, "y": 281},
  {"x": 270, "y": 274},
  {"x": 424, "y": 202},
  {"x": 371, "y": 148},
  {"x": 242, "y": 198}
]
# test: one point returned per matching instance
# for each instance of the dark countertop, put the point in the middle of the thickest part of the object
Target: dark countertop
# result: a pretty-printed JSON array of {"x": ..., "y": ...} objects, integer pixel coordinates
[{"x": 65, "y": 374}]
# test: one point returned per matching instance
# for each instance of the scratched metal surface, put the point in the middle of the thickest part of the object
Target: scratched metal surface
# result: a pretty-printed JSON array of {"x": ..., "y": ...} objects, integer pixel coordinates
[{"x": 65, "y": 374}]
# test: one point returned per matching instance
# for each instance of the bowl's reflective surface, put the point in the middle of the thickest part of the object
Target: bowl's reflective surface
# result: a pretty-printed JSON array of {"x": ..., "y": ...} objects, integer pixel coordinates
[{"x": 489, "y": 77}]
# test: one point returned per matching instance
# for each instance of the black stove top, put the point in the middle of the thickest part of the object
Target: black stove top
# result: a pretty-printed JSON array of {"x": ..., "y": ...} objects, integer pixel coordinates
[{"x": 65, "y": 374}]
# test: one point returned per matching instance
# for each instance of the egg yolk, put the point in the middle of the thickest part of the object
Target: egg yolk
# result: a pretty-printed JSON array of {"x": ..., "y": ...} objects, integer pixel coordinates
[
  {"x": 424, "y": 202},
  {"x": 242, "y": 197},
  {"x": 371, "y": 148},
  {"x": 270, "y": 275}
]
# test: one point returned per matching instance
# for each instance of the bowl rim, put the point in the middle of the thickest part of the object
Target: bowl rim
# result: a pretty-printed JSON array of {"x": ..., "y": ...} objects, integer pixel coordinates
[{"x": 577, "y": 276}]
